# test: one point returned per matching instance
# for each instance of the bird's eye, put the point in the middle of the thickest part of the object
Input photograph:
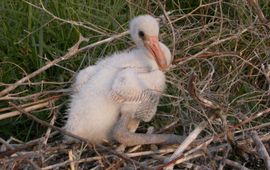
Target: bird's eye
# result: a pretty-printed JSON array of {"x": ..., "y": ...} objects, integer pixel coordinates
[{"x": 141, "y": 34}]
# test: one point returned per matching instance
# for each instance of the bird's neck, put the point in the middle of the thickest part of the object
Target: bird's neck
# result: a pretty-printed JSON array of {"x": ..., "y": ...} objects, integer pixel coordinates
[
  {"x": 143, "y": 58},
  {"x": 138, "y": 58}
]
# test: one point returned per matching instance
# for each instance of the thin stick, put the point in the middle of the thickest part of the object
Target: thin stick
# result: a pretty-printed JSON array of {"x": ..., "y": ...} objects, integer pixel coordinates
[
  {"x": 61, "y": 19},
  {"x": 252, "y": 117},
  {"x": 183, "y": 159},
  {"x": 11, "y": 147},
  {"x": 50, "y": 98},
  {"x": 207, "y": 55},
  {"x": 217, "y": 42},
  {"x": 258, "y": 11},
  {"x": 70, "y": 157},
  {"x": 69, "y": 162},
  {"x": 189, "y": 154},
  {"x": 20, "y": 147},
  {"x": 232, "y": 163},
  {"x": 144, "y": 153},
  {"x": 48, "y": 132},
  {"x": 27, "y": 109},
  {"x": 170, "y": 24},
  {"x": 192, "y": 91},
  {"x": 36, "y": 95},
  {"x": 192, "y": 136},
  {"x": 261, "y": 149}
]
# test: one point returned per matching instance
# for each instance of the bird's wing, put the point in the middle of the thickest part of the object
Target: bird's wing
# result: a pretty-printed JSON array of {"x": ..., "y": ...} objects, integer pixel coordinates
[
  {"x": 82, "y": 77},
  {"x": 148, "y": 105},
  {"x": 132, "y": 89}
]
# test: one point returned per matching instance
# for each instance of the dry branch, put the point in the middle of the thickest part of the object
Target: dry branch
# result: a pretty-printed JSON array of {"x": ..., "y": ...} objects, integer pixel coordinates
[
  {"x": 191, "y": 137},
  {"x": 31, "y": 107},
  {"x": 11, "y": 147},
  {"x": 28, "y": 109},
  {"x": 52, "y": 122},
  {"x": 192, "y": 91},
  {"x": 71, "y": 161},
  {"x": 232, "y": 163},
  {"x": 206, "y": 55},
  {"x": 216, "y": 42},
  {"x": 35, "y": 95},
  {"x": 170, "y": 24},
  {"x": 257, "y": 9},
  {"x": 252, "y": 117},
  {"x": 20, "y": 148},
  {"x": 261, "y": 149}
]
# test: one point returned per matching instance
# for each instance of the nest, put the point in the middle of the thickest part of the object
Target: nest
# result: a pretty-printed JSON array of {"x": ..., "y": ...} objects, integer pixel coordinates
[{"x": 217, "y": 97}]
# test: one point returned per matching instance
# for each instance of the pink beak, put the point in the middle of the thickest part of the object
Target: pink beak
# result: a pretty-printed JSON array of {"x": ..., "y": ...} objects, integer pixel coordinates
[{"x": 152, "y": 44}]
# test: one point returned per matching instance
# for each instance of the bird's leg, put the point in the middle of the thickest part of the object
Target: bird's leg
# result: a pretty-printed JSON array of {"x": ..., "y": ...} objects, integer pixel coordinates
[
  {"x": 132, "y": 127},
  {"x": 122, "y": 135}
]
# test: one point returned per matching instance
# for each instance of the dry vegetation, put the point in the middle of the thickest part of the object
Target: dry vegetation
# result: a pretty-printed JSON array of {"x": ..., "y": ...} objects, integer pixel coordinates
[{"x": 217, "y": 95}]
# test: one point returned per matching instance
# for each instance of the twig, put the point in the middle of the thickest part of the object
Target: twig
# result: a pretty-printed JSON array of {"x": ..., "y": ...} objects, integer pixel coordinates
[
  {"x": 144, "y": 153},
  {"x": 217, "y": 42},
  {"x": 69, "y": 162},
  {"x": 169, "y": 126},
  {"x": 11, "y": 147},
  {"x": 70, "y": 157},
  {"x": 170, "y": 24},
  {"x": 47, "y": 134},
  {"x": 232, "y": 163},
  {"x": 252, "y": 117},
  {"x": 39, "y": 105},
  {"x": 206, "y": 55},
  {"x": 193, "y": 11},
  {"x": 183, "y": 159},
  {"x": 35, "y": 95},
  {"x": 261, "y": 149},
  {"x": 254, "y": 127},
  {"x": 201, "y": 146},
  {"x": 257, "y": 9},
  {"x": 266, "y": 71},
  {"x": 192, "y": 136},
  {"x": 32, "y": 103},
  {"x": 192, "y": 91},
  {"x": 28, "y": 109},
  {"x": 20, "y": 147},
  {"x": 61, "y": 19}
]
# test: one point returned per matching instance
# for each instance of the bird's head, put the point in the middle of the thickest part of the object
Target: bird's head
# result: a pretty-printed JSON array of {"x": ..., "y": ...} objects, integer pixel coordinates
[{"x": 144, "y": 31}]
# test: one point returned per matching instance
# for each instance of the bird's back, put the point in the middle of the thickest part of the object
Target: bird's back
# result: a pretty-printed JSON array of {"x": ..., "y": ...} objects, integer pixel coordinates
[{"x": 92, "y": 114}]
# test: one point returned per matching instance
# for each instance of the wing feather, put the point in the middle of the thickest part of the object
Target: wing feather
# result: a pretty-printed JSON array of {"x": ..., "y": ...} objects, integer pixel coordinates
[{"x": 129, "y": 88}]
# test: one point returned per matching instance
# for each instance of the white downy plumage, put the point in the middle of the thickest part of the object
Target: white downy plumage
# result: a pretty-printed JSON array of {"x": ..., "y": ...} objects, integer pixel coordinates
[{"x": 130, "y": 81}]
